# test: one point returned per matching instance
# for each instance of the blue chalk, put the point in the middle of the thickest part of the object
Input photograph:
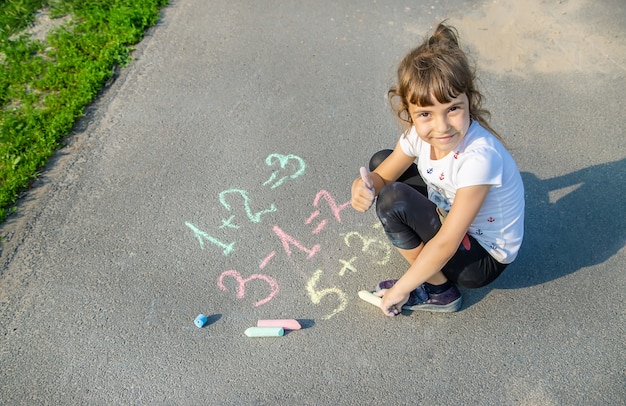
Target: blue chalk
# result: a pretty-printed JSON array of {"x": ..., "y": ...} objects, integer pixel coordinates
[{"x": 200, "y": 320}]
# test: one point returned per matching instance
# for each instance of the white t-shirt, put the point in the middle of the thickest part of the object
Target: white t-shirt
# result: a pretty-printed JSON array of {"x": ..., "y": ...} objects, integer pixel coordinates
[{"x": 479, "y": 159}]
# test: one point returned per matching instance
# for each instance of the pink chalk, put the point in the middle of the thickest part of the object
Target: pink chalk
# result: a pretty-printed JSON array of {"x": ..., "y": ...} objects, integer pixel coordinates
[
  {"x": 365, "y": 177},
  {"x": 287, "y": 324}
]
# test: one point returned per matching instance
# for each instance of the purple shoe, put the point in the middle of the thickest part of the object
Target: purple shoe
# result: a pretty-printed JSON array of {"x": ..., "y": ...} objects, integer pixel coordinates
[{"x": 419, "y": 299}]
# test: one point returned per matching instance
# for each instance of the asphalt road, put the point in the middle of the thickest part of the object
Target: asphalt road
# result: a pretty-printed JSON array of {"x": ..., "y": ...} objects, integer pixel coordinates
[{"x": 212, "y": 177}]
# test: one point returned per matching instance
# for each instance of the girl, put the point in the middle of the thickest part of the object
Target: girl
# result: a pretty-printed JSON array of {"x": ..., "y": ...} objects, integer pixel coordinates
[{"x": 464, "y": 175}]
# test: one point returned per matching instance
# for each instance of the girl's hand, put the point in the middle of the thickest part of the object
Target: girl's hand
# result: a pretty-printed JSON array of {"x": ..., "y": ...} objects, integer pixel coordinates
[
  {"x": 392, "y": 302},
  {"x": 363, "y": 193}
]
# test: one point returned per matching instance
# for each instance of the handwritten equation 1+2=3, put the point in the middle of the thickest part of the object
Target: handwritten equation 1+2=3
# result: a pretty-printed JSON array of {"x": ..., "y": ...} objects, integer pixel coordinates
[{"x": 284, "y": 163}]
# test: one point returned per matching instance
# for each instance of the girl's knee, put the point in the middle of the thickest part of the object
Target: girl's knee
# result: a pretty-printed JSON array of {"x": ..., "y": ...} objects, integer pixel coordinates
[
  {"x": 378, "y": 158},
  {"x": 394, "y": 196}
]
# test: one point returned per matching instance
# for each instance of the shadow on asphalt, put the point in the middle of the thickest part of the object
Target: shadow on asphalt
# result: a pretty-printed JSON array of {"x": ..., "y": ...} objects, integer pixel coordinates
[
  {"x": 304, "y": 323},
  {"x": 572, "y": 222}
]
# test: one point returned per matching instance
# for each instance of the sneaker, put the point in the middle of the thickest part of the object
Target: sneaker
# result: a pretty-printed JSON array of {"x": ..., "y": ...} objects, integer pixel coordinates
[{"x": 419, "y": 299}]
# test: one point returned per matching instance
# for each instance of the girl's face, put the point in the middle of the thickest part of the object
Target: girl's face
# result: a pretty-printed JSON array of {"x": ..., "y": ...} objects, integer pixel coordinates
[{"x": 443, "y": 126}]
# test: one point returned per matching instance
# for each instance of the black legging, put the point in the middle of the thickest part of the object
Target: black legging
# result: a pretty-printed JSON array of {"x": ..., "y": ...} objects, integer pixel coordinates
[{"x": 409, "y": 219}]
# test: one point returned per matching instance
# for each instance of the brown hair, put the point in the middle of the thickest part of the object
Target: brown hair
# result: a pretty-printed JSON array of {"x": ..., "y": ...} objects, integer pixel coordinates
[{"x": 436, "y": 68}]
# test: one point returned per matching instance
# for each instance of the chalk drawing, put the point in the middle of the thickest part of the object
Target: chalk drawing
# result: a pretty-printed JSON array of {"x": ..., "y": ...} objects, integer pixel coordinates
[
  {"x": 335, "y": 209},
  {"x": 286, "y": 240},
  {"x": 201, "y": 236},
  {"x": 317, "y": 295},
  {"x": 347, "y": 266},
  {"x": 241, "y": 288},
  {"x": 320, "y": 226},
  {"x": 227, "y": 223},
  {"x": 283, "y": 160},
  {"x": 267, "y": 259},
  {"x": 253, "y": 217},
  {"x": 289, "y": 167},
  {"x": 368, "y": 243}
]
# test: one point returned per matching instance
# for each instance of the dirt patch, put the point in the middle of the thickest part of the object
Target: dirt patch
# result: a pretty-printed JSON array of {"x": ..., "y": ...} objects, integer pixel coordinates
[
  {"x": 43, "y": 25},
  {"x": 522, "y": 37}
]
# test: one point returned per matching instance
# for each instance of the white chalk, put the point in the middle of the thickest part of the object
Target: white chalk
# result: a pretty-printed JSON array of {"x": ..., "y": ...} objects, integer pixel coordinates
[
  {"x": 287, "y": 324},
  {"x": 265, "y": 332},
  {"x": 369, "y": 297}
]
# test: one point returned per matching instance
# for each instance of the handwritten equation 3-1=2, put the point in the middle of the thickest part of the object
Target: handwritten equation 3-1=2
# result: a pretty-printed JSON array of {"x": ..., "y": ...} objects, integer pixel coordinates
[{"x": 290, "y": 167}]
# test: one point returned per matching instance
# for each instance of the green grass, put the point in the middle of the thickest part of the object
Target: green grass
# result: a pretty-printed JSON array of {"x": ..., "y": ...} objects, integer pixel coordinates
[{"x": 46, "y": 85}]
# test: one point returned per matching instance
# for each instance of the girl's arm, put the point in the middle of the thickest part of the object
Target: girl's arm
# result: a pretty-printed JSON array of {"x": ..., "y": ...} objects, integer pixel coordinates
[
  {"x": 388, "y": 171},
  {"x": 438, "y": 251}
]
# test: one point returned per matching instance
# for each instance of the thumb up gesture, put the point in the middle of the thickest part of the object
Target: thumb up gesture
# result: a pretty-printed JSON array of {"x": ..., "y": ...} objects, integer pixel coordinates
[{"x": 363, "y": 193}]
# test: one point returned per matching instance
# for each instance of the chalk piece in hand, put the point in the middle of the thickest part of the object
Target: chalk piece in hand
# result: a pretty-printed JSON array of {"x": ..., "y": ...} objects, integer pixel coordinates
[
  {"x": 200, "y": 320},
  {"x": 287, "y": 324},
  {"x": 369, "y": 297},
  {"x": 265, "y": 332},
  {"x": 365, "y": 177}
]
